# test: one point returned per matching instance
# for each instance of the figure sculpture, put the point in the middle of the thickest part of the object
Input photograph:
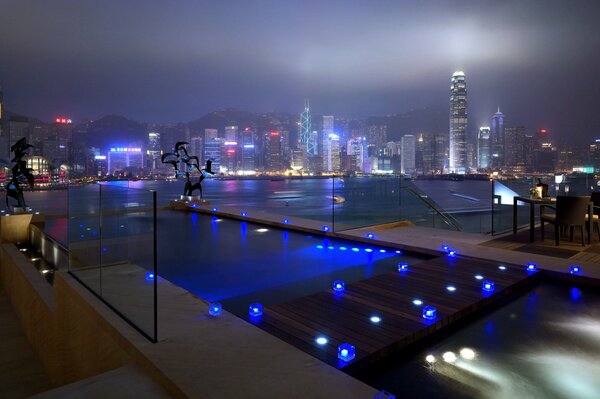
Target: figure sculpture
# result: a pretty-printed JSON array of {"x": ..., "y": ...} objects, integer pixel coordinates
[
  {"x": 184, "y": 164},
  {"x": 20, "y": 172}
]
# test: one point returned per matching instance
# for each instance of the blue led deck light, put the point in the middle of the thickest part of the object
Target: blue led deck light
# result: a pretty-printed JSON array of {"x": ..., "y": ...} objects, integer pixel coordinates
[
  {"x": 214, "y": 209},
  {"x": 244, "y": 214},
  {"x": 255, "y": 310},
  {"x": 402, "y": 267},
  {"x": 346, "y": 352},
  {"x": 429, "y": 312},
  {"x": 325, "y": 228},
  {"x": 338, "y": 286},
  {"x": 445, "y": 248},
  {"x": 384, "y": 395},
  {"x": 321, "y": 340},
  {"x": 149, "y": 276},
  {"x": 370, "y": 235},
  {"x": 452, "y": 252},
  {"x": 531, "y": 267},
  {"x": 215, "y": 309},
  {"x": 575, "y": 269},
  {"x": 285, "y": 221},
  {"x": 488, "y": 286}
]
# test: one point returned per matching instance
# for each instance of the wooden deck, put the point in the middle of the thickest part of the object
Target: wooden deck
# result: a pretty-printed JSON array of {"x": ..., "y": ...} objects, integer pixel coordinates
[{"x": 346, "y": 317}]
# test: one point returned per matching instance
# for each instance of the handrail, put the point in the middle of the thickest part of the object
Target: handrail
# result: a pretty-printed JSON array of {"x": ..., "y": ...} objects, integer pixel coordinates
[{"x": 449, "y": 220}]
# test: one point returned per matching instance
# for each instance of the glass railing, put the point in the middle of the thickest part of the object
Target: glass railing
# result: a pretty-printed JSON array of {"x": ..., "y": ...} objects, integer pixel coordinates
[{"x": 112, "y": 249}]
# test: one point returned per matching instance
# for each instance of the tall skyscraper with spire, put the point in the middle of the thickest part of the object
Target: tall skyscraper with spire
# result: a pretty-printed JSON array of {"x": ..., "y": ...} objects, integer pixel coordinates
[
  {"x": 458, "y": 123},
  {"x": 306, "y": 140},
  {"x": 497, "y": 140}
]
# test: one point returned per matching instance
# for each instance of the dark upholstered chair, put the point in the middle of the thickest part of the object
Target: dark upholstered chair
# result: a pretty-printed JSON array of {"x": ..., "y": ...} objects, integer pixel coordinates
[
  {"x": 596, "y": 221},
  {"x": 570, "y": 212}
]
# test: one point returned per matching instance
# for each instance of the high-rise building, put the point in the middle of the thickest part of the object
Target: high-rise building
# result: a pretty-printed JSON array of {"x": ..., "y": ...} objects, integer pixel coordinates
[
  {"x": 594, "y": 154},
  {"x": 458, "y": 123},
  {"x": 274, "y": 153},
  {"x": 248, "y": 151},
  {"x": 125, "y": 161},
  {"x": 196, "y": 147},
  {"x": 307, "y": 143},
  {"x": 497, "y": 140},
  {"x": 407, "y": 154},
  {"x": 356, "y": 148},
  {"x": 213, "y": 150},
  {"x": 231, "y": 134},
  {"x": 4, "y": 145},
  {"x": 331, "y": 153},
  {"x": 210, "y": 134},
  {"x": 484, "y": 150},
  {"x": 435, "y": 153},
  {"x": 514, "y": 149},
  {"x": 153, "y": 151}
]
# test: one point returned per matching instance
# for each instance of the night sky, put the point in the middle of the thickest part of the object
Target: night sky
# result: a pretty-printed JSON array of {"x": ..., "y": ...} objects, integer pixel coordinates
[{"x": 168, "y": 61}]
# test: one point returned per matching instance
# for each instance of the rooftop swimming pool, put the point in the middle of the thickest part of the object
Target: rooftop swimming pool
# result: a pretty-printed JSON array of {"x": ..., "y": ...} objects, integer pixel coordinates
[
  {"x": 238, "y": 263},
  {"x": 545, "y": 344}
]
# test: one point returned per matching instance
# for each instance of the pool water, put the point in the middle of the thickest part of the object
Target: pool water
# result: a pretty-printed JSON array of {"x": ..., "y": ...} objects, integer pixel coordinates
[
  {"x": 238, "y": 263},
  {"x": 546, "y": 344}
]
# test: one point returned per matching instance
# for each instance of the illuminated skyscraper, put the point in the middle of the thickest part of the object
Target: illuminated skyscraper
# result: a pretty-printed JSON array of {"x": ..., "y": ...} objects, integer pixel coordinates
[
  {"x": 331, "y": 153},
  {"x": 248, "y": 151},
  {"x": 307, "y": 142},
  {"x": 274, "y": 154},
  {"x": 407, "y": 154},
  {"x": 497, "y": 140},
  {"x": 4, "y": 150},
  {"x": 458, "y": 123},
  {"x": 153, "y": 150},
  {"x": 483, "y": 147},
  {"x": 514, "y": 150}
]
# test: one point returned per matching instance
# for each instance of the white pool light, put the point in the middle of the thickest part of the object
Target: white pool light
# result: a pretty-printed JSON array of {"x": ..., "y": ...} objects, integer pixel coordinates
[
  {"x": 451, "y": 288},
  {"x": 320, "y": 246},
  {"x": 369, "y": 250},
  {"x": 355, "y": 249},
  {"x": 343, "y": 248},
  {"x": 321, "y": 341},
  {"x": 262, "y": 230},
  {"x": 502, "y": 267},
  {"x": 330, "y": 247},
  {"x": 430, "y": 359},
  {"x": 417, "y": 302},
  {"x": 478, "y": 277},
  {"x": 382, "y": 251},
  {"x": 449, "y": 357},
  {"x": 375, "y": 319},
  {"x": 467, "y": 353}
]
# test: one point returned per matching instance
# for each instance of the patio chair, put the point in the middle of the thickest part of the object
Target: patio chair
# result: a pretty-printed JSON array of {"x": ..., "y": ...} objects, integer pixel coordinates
[
  {"x": 596, "y": 215},
  {"x": 569, "y": 212}
]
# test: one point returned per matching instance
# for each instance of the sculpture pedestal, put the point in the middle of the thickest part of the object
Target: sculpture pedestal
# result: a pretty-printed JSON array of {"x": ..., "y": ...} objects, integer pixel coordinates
[
  {"x": 15, "y": 228},
  {"x": 194, "y": 198}
]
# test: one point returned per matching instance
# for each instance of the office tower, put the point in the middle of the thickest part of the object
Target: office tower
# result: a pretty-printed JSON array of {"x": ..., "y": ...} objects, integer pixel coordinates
[
  {"x": 407, "y": 154},
  {"x": 274, "y": 153},
  {"x": 331, "y": 153},
  {"x": 307, "y": 142},
  {"x": 594, "y": 154},
  {"x": 231, "y": 134},
  {"x": 125, "y": 161},
  {"x": 458, "y": 123},
  {"x": 356, "y": 149},
  {"x": 514, "y": 149},
  {"x": 376, "y": 134},
  {"x": 213, "y": 150},
  {"x": 298, "y": 159},
  {"x": 435, "y": 153},
  {"x": 497, "y": 140},
  {"x": 196, "y": 147},
  {"x": 484, "y": 150},
  {"x": 248, "y": 151},
  {"x": 419, "y": 149},
  {"x": 153, "y": 151},
  {"x": 210, "y": 134}
]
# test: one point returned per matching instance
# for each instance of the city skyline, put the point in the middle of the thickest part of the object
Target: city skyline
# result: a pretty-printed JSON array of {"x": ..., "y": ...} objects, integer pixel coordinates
[{"x": 169, "y": 64}]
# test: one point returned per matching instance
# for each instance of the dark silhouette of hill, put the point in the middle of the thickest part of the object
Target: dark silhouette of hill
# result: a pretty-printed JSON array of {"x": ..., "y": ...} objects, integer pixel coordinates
[{"x": 111, "y": 131}]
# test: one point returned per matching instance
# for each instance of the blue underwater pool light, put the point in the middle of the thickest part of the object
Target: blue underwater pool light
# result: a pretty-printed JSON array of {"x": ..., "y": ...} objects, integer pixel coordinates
[
  {"x": 149, "y": 276},
  {"x": 445, "y": 248},
  {"x": 325, "y": 228},
  {"x": 255, "y": 309},
  {"x": 531, "y": 267},
  {"x": 214, "y": 209},
  {"x": 285, "y": 221},
  {"x": 338, "y": 286},
  {"x": 346, "y": 352},
  {"x": 244, "y": 214},
  {"x": 429, "y": 312},
  {"x": 215, "y": 309},
  {"x": 402, "y": 267},
  {"x": 452, "y": 252},
  {"x": 575, "y": 269},
  {"x": 488, "y": 286}
]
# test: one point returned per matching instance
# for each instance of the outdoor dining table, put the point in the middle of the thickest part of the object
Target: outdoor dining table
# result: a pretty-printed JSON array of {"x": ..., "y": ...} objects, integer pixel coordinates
[{"x": 544, "y": 201}]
